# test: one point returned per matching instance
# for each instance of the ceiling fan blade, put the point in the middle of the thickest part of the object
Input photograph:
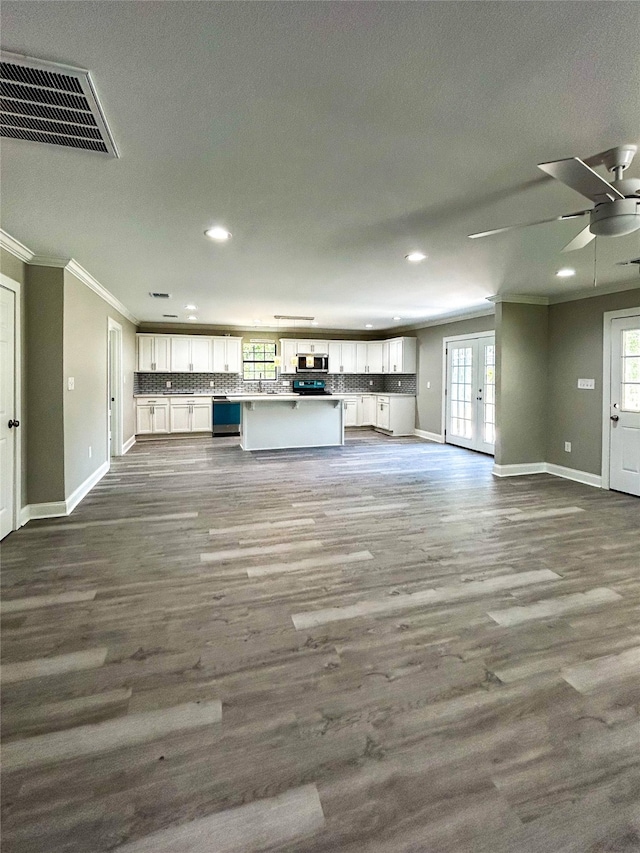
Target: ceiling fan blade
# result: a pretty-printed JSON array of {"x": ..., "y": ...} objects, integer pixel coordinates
[
  {"x": 580, "y": 241},
  {"x": 581, "y": 178},
  {"x": 527, "y": 224}
]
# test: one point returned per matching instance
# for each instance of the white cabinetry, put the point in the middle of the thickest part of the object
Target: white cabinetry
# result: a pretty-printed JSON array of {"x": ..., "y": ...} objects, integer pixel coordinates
[
  {"x": 191, "y": 414},
  {"x": 383, "y": 413},
  {"x": 227, "y": 355},
  {"x": 369, "y": 357},
  {"x": 395, "y": 415},
  {"x": 288, "y": 352},
  {"x": 316, "y": 347},
  {"x": 190, "y": 354},
  {"x": 153, "y": 353},
  {"x": 342, "y": 357},
  {"x": 366, "y": 409},
  {"x": 350, "y": 411},
  {"x": 402, "y": 355},
  {"x": 152, "y": 415}
]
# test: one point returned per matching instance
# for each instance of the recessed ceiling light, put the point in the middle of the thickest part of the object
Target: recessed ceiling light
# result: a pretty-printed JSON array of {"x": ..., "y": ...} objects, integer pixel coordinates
[
  {"x": 190, "y": 307},
  {"x": 192, "y": 317},
  {"x": 397, "y": 318},
  {"x": 369, "y": 326},
  {"x": 218, "y": 233},
  {"x": 565, "y": 272},
  {"x": 415, "y": 257}
]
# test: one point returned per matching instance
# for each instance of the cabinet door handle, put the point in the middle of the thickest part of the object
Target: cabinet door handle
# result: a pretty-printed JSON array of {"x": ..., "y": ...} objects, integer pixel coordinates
[{"x": 153, "y": 409}]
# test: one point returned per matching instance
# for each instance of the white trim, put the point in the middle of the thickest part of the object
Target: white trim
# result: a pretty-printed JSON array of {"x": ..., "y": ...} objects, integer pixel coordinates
[
  {"x": 15, "y": 247},
  {"x": 126, "y": 447},
  {"x": 573, "y": 474},
  {"x": 607, "y": 319},
  {"x": 470, "y": 336},
  {"x": 521, "y": 470},
  {"x": 25, "y": 515},
  {"x": 54, "y": 509},
  {"x": 16, "y": 288},
  {"x": 587, "y": 293},
  {"x": 117, "y": 412},
  {"x": 84, "y": 488},
  {"x": 526, "y": 468},
  {"x": 93, "y": 284},
  {"x": 522, "y": 298},
  {"x": 427, "y": 324},
  {"x": 86, "y": 278},
  {"x": 429, "y": 436}
]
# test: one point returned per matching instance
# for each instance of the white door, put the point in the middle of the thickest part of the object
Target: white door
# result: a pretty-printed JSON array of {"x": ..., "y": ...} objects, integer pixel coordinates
[
  {"x": 181, "y": 354},
  {"x": 112, "y": 356},
  {"x": 234, "y": 355},
  {"x": 351, "y": 411},
  {"x": 375, "y": 357},
  {"x": 145, "y": 352},
  {"x": 201, "y": 417},
  {"x": 624, "y": 434},
  {"x": 180, "y": 417},
  {"x": 395, "y": 356},
  {"x": 349, "y": 357},
  {"x": 288, "y": 359},
  {"x": 160, "y": 418},
  {"x": 144, "y": 419},
  {"x": 335, "y": 357},
  {"x": 471, "y": 393},
  {"x": 383, "y": 413},
  {"x": 162, "y": 354},
  {"x": 367, "y": 412},
  {"x": 8, "y": 424},
  {"x": 201, "y": 355}
]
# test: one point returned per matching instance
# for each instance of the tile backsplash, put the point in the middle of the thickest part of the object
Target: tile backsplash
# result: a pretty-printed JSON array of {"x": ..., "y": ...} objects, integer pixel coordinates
[{"x": 231, "y": 383}]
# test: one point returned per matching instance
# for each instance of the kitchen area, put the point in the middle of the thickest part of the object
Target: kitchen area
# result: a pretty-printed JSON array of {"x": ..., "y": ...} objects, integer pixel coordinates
[{"x": 304, "y": 393}]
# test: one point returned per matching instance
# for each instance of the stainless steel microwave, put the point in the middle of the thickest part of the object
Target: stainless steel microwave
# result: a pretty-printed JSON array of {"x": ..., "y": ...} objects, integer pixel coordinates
[{"x": 307, "y": 362}]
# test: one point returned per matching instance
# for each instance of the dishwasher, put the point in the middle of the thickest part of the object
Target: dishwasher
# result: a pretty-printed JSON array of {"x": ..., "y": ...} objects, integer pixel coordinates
[{"x": 226, "y": 416}]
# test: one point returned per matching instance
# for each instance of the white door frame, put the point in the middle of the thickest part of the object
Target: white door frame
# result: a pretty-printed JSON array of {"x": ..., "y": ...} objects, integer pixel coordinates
[
  {"x": 16, "y": 288},
  {"x": 117, "y": 421},
  {"x": 445, "y": 342},
  {"x": 609, "y": 316}
]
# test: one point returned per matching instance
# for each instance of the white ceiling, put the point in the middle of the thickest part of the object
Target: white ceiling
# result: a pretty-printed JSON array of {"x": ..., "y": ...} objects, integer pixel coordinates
[{"x": 331, "y": 138}]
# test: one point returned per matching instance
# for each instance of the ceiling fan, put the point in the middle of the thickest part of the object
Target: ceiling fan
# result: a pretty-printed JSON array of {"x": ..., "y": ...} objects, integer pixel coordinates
[{"x": 617, "y": 204}]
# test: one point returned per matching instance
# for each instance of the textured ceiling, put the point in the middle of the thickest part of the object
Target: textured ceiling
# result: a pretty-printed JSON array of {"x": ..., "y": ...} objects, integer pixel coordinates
[{"x": 331, "y": 138}]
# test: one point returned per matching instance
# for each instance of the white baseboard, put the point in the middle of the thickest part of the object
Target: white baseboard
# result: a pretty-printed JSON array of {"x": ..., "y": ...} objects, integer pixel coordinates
[
  {"x": 583, "y": 477},
  {"x": 84, "y": 488},
  {"x": 520, "y": 470},
  {"x": 430, "y": 436},
  {"x": 58, "y": 509},
  {"x": 126, "y": 447},
  {"x": 573, "y": 474}
]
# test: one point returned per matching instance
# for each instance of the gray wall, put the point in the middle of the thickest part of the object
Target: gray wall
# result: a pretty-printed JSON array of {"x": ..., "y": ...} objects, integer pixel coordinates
[
  {"x": 576, "y": 351},
  {"x": 43, "y": 396},
  {"x": 429, "y": 402},
  {"x": 85, "y": 358},
  {"x": 521, "y": 382}
]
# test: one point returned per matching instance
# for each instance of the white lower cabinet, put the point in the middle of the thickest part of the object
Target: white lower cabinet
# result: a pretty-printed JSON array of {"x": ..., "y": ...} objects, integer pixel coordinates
[
  {"x": 158, "y": 416},
  {"x": 191, "y": 414},
  {"x": 152, "y": 416},
  {"x": 396, "y": 415},
  {"x": 383, "y": 413},
  {"x": 350, "y": 411},
  {"x": 366, "y": 410}
]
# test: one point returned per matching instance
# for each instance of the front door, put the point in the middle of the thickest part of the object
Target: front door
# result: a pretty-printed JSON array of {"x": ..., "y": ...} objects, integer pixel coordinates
[
  {"x": 470, "y": 393},
  {"x": 7, "y": 411},
  {"x": 624, "y": 433}
]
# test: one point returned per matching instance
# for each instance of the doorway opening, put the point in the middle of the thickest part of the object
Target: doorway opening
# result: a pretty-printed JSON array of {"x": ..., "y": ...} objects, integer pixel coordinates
[{"x": 469, "y": 409}]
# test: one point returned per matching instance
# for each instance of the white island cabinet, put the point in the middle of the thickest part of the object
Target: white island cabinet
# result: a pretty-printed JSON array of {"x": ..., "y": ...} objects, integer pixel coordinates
[{"x": 279, "y": 421}]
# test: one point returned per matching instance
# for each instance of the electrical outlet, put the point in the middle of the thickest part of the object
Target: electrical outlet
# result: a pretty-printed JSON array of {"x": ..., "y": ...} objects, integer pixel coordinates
[
  {"x": 71, "y": 383},
  {"x": 399, "y": 384},
  {"x": 211, "y": 383},
  {"x": 168, "y": 383},
  {"x": 567, "y": 446},
  {"x": 90, "y": 451},
  {"x": 371, "y": 382},
  {"x": 428, "y": 385}
]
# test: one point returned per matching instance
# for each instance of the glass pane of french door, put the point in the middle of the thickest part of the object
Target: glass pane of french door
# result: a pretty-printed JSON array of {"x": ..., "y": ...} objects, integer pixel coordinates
[{"x": 471, "y": 401}]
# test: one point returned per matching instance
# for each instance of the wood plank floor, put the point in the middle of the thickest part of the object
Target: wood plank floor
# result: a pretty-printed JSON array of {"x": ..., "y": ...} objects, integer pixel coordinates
[{"x": 379, "y": 648}]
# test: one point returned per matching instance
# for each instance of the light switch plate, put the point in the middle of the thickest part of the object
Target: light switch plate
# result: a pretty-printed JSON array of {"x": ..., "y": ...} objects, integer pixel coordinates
[
  {"x": 71, "y": 383},
  {"x": 587, "y": 384}
]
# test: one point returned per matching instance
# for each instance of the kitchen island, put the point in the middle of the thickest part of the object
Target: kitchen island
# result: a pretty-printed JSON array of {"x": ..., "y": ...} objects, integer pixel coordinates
[{"x": 280, "y": 421}]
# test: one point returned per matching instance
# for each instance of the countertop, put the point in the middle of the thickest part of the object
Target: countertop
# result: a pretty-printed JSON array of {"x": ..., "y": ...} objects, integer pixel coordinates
[{"x": 266, "y": 395}]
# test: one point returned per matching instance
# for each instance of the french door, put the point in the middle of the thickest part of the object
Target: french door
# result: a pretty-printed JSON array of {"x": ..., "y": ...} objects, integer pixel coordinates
[
  {"x": 7, "y": 412},
  {"x": 471, "y": 393},
  {"x": 624, "y": 431}
]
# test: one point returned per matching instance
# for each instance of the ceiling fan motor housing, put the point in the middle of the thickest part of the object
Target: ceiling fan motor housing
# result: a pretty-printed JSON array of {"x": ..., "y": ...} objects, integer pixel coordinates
[{"x": 615, "y": 218}]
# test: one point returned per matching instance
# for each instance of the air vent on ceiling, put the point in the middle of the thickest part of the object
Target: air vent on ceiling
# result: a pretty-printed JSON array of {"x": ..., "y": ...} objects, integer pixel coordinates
[
  {"x": 171, "y": 316},
  {"x": 155, "y": 295},
  {"x": 46, "y": 102}
]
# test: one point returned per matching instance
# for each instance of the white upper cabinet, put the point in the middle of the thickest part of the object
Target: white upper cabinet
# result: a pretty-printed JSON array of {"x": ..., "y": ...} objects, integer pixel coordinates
[
  {"x": 227, "y": 355},
  {"x": 153, "y": 353},
  {"x": 288, "y": 352},
  {"x": 316, "y": 347},
  {"x": 190, "y": 354},
  {"x": 402, "y": 355},
  {"x": 342, "y": 357}
]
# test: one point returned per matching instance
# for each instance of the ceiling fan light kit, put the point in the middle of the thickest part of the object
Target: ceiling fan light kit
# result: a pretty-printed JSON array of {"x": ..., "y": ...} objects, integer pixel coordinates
[{"x": 616, "y": 208}]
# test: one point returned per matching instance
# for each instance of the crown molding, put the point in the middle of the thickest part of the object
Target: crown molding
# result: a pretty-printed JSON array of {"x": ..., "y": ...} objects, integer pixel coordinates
[
  {"x": 43, "y": 261},
  {"x": 93, "y": 284},
  {"x": 588, "y": 293},
  {"x": 521, "y": 298},
  {"x": 15, "y": 247},
  {"x": 398, "y": 331}
]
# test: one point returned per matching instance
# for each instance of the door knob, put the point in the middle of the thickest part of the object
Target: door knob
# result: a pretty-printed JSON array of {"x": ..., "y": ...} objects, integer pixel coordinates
[
  {"x": 615, "y": 417},
  {"x": 14, "y": 424}
]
